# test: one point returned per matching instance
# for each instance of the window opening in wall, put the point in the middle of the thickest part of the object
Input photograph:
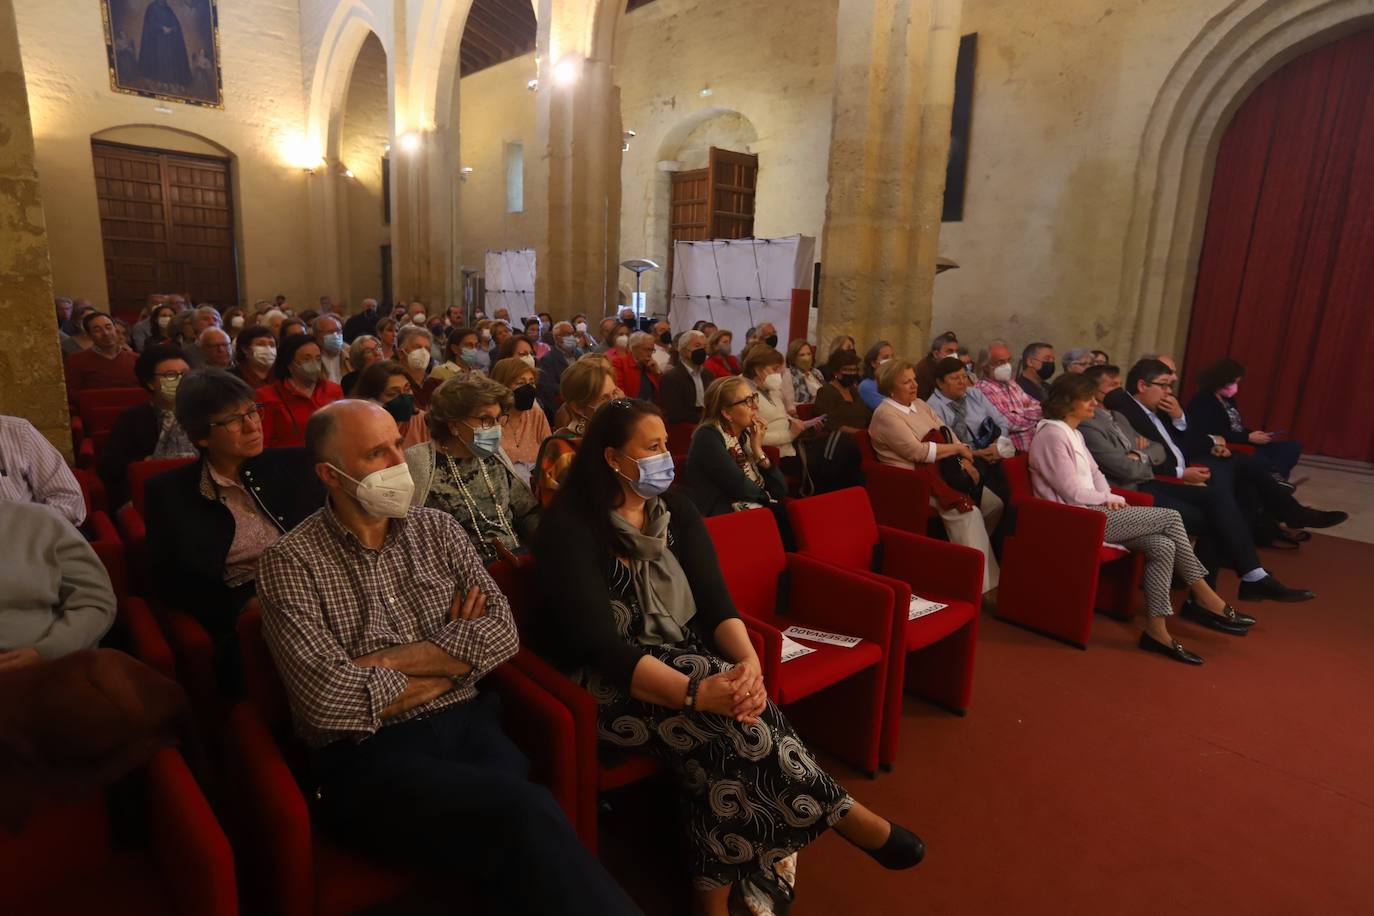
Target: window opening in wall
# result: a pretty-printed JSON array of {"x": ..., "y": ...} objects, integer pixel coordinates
[{"x": 515, "y": 177}]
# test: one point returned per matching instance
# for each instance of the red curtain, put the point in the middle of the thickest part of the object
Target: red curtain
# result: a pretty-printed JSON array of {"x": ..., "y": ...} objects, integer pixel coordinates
[{"x": 1286, "y": 280}]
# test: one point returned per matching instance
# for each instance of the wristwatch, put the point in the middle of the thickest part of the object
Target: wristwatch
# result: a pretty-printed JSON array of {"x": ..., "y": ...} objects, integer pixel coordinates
[{"x": 690, "y": 702}]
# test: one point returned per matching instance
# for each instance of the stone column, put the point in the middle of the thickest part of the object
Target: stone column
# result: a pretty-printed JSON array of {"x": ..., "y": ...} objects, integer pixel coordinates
[
  {"x": 579, "y": 136},
  {"x": 421, "y": 219},
  {"x": 894, "y": 94},
  {"x": 31, "y": 381}
]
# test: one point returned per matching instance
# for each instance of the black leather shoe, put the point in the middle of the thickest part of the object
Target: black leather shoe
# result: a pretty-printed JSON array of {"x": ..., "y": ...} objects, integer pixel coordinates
[
  {"x": 1222, "y": 623},
  {"x": 903, "y": 849},
  {"x": 1272, "y": 589},
  {"x": 1175, "y": 650},
  {"x": 1307, "y": 517}
]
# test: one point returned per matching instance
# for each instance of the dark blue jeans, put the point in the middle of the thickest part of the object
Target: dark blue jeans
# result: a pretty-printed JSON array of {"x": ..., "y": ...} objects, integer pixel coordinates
[{"x": 450, "y": 792}]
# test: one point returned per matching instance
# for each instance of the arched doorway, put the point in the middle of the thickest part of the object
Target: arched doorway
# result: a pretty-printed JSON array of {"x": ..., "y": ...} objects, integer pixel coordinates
[{"x": 1286, "y": 274}]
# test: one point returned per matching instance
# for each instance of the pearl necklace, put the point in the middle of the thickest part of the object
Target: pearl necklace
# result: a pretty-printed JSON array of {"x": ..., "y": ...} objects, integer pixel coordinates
[{"x": 502, "y": 524}]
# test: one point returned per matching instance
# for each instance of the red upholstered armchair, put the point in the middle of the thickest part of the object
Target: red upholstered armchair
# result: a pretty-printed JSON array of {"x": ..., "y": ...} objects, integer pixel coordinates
[
  {"x": 900, "y": 496},
  {"x": 190, "y": 643},
  {"x": 63, "y": 861},
  {"x": 135, "y": 627},
  {"x": 291, "y": 870},
  {"x": 96, "y": 412},
  {"x": 1056, "y": 570},
  {"x": 592, "y": 775},
  {"x": 834, "y": 695},
  {"x": 932, "y": 655}
]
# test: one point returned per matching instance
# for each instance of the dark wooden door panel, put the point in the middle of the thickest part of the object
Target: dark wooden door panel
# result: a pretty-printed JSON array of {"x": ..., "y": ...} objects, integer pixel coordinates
[{"x": 167, "y": 222}]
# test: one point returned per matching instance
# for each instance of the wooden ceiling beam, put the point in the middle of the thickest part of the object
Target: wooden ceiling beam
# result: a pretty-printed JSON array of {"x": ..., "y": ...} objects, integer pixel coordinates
[{"x": 493, "y": 27}]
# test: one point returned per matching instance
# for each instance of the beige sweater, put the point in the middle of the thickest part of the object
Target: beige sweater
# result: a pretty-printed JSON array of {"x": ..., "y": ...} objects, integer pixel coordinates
[{"x": 896, "y": 433}]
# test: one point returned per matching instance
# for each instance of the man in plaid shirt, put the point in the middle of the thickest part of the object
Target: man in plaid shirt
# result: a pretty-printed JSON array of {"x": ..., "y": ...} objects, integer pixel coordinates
[
  {"x": 381, "y": 620},
  {"x": 1020, "y": 409}
]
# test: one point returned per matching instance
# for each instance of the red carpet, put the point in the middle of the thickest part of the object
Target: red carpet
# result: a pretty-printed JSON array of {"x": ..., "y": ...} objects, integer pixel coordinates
[{"x": 1114, "y": 781}]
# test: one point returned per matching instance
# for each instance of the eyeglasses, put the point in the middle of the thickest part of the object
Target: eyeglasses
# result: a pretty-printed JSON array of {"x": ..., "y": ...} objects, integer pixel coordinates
[
  {"x": 752, "y": 401},
  {"x": 234, "y": 422},
  {"x": 1167, "y": 386},
  {"x": 168, "y": 375},
  {"x": 485, "y": 422}
]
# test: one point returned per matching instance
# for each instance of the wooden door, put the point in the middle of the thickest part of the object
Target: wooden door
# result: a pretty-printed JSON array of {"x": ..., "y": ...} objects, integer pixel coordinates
[
  {"x": 716, "y": 202},
  {"x": 167, "y": 223}
]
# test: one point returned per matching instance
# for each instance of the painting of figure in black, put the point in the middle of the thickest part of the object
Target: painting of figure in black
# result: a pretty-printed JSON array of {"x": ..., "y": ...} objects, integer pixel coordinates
[{"x": 165, "y": 49}]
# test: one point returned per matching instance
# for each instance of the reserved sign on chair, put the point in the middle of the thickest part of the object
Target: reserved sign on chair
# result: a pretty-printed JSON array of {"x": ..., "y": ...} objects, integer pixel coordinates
[
  {"x": 920, "y": 607},
  {"x": 830, "y": 639}
]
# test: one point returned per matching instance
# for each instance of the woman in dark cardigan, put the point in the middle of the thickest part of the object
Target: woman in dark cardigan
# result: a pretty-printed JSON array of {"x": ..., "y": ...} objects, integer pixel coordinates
[
  {"x": 1213, "y": 411},
  {"x": 208, "y": 521},
  {"x": 633, "y": 605}
]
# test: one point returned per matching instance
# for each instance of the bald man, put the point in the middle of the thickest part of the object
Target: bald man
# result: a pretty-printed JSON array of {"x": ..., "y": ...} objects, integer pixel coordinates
[{"x": 382, "y": 620}]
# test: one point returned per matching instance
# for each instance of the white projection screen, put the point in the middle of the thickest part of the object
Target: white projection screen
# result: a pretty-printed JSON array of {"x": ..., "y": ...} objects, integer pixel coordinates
[
  {"x": 740, "y": 283},
  {"x": 510, "y": 282}
]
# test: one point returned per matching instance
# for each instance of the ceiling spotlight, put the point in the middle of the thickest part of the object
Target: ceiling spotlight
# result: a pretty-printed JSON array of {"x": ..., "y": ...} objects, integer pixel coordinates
[
  {"x": 567, "y": 70},
  {"x": 410, "y": 141},
  {"x": 348, "y": 173}
]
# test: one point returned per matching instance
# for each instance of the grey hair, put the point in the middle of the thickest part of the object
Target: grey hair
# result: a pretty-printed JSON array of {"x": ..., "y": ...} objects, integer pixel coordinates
[
  {"x": 687, "y": 339},
  {"x": 457, "y": 398},
  {"x": 328, "y": 316},
  {"x": 412, "y": 330},
  {"x": 1072, "y": 356},
  {"x": 209, "y": 310},
  {"x": 939, "y": 340},
  {"x": 201, "y": 339},
  {"x": 355, "y": 350},
  {"x": 639, "y": 337},
  {"x": 563, "y": 324}
]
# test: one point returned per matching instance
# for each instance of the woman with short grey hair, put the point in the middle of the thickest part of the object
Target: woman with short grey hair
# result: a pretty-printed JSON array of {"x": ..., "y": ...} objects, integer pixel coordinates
[{"x": 464, "y": 471}]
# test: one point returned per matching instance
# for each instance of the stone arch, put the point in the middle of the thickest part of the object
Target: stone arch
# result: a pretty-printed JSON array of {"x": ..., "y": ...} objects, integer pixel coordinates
[
  {"x": 685, "y": 146},
  {"x": 1238, "y": 50},
  {"x": 348, "y": 28},
  {"x": 163, "y": 136}
]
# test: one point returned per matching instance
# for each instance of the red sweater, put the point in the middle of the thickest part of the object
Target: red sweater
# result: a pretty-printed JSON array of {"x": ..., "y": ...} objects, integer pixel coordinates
[
  {"x": 88, "y": 369},
  {"x": 285, "y": 411},
  {"x": 721, "y": 366}
]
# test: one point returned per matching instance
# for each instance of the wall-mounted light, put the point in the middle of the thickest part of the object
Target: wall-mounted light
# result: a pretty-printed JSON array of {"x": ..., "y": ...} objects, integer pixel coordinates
[
  {"x": 162, "y": 109},
  {"x": 298, "y": 152},
  {"x": 464, "y": 172},
  {"x": 705, "y": 92},
  {"x": 348, "y": 173},
  {"x": 532, "y": 85},
  {"x": 567, "y": 70},
  {"x": 386, "y": 148},
  {"x": 410, "y": 141},
  {"x": 625, "y": 138}
]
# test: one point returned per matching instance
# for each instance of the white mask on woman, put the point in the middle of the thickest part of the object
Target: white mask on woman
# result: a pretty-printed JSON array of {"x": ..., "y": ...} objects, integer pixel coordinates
[
  {"x": 772, "y": 381},
  {"x": 264, "y": 356}
]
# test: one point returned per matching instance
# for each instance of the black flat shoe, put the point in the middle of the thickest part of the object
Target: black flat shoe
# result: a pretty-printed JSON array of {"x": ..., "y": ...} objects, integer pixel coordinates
[
  {"x": 1174, "y": 651},
  {"x": 903, "y": 849},
  {"x": 1307, "y": 517},
  {"x": 1273, "y": 590},
  {"x": 1220, "y": 623},
  {"x": 1229, "y": 612}
]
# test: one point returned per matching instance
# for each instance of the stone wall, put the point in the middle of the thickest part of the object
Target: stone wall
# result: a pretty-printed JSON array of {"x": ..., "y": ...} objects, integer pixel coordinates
[
  {"x": 31, "y": 383},
  {"x": 261, "y": 127},
  {"x": 364, "y": 137}
]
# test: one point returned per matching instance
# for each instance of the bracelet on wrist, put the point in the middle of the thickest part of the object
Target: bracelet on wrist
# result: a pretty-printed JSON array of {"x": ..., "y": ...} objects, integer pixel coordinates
[{"x": 689, "y": 703}]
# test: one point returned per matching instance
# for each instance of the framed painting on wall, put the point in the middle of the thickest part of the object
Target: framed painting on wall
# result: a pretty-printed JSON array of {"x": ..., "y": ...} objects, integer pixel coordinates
[{"x": 165, "y": 49}]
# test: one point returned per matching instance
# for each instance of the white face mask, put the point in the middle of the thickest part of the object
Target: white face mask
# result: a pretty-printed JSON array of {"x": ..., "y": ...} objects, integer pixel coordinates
[
  {"x": 528, "y": 359},
  {"x": 1002, "y": 373},
  {"x": 772, "y": 381},
  {"x": 417, "y": 318},
  {"x": 418, "y": 359},
  {"x": 264, "y": 356},
  {"x": 164, "y": 320},
  {"x": 582, "y": 327},
  {"x": 385, "y": 493},
  {"x": 622, "y": 341},
  {"x": 236, "y": 322}
]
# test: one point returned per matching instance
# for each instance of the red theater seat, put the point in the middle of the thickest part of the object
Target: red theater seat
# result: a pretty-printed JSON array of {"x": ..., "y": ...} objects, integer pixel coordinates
[
  {"x": 1055, "y": 568},
  {"x": 933, "y": 655},
  {"x": 834, "y": 695},
  {"x": 900, "y": 496}
]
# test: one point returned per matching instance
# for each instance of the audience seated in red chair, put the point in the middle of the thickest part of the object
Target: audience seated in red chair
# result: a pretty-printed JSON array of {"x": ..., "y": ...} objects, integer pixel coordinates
[
  {"x": 33, "y": 471},
  {"x": 1063, "y": 471},
  {"x": 255, "y": 352},
  {"x": 720, "y": 361},
  {"x": 1020, "y": 410},
  {"x": 683, "y": 387},
  {"x": 636, "y": 372},
  {"x": 634, "y": 602},
  {"x": 381, "y": 620},
  {"x": 898, "y": 431},
  {"x": 385, "y": 383},
  {"x": 148, "y": 430},
  {"x": 209, "y": 521},
  {"x": 298, "y": 389},
  {"x": 106, "y": 364},
  {"x": 464, "y": 472},
  {"x": 1213, "y": 410},
  {"x": 55, "y": 596},
  {"x": 586, "y": 386}
]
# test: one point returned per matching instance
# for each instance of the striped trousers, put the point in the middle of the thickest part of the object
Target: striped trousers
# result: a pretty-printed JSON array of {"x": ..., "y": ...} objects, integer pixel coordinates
[{"x": 1157, "y": 534}]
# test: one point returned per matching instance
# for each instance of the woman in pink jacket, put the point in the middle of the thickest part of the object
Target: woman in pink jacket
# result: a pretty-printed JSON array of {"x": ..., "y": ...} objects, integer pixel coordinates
[{"x": 1063, "y": 471}]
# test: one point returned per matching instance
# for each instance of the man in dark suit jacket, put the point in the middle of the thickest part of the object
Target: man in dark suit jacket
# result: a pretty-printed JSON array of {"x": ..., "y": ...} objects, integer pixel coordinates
[
  {"x": 683, "y": 390},
  {"x": 138, "y": 430},
  {"x": 562, "y": 354},
  {"x": 1211, "y": 488}
]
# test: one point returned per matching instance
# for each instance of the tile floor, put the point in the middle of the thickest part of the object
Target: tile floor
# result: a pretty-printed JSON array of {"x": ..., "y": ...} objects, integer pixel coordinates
[{"x": 1334, "y": 484}]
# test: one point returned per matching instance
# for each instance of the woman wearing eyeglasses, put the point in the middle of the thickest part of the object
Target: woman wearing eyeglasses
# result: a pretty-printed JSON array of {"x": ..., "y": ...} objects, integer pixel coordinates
[
  {"x": 464, "y": 471},
  {"x": 210, "y": 520},
  {"x": 727, "y": 468},
  {"x": 633, "y": 606}
]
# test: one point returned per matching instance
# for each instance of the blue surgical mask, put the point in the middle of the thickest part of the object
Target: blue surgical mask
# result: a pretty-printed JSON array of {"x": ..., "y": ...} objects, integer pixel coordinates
[
  {"x": 485, "y": 442},
  {"x": 569, "y": 343},
  {"x": 332, "y": 343},
  {"x": 469, "y": 356},
  {"x": 655, "y": 475}
]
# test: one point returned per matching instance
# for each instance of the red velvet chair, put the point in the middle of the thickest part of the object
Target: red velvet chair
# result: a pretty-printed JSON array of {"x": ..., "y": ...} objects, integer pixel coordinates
[
  {"x": 834, "y": 695},
  {"x": 806, "y": 411},
  {"x": 63, "y": 860},
  {"x": 593, "y": 776},
  {"x": 933, "y": 655},
  {"x": 96, "y": 410},
  {"x": 291, "y": 870},
  {"x": 1056, "y": 570},
  {"x": 92, "y": 490},
  {"x": 136, "y": 628},
  {"x": 680, "y": 438},
  {"x": 900, "y": 496},
  {"x": 106, "y": 543},
  {"x": 190, "y": 643}
]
